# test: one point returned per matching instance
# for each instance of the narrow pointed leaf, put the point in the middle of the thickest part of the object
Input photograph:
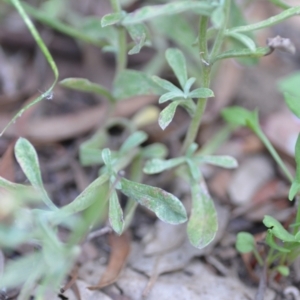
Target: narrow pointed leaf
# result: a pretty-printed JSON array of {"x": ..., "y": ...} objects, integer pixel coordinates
[
  {"x": 155, "y": 150},
  {"x": 84, "y": 85},
  {"x": 149, "y": 12},
  {"x": 138, "y": 33},
  {"x": 244, "y": 39},
  {"x": 131, "y": 83},
  {"x": 166, "y": 206},
  {"x": 106, "y": 157},
  {"x": 167, "y": 85},
  {"x": 203, "y": 224},
  {"x": 278, "y": 230},
  {"x": 238, "y": 115},
  {"x": 201, "y": 93},
  {"x": 188, "y": 85},
  {"x": 168, "y": 96},
  {"x": 87, "y": 197},
  {"x": 166, "y": 116},
  {"x": 111, "y": 19},
  {"x": 157, "y": 165},
  {"x": 115, "y": 213},
  {"x": 295, "y": 188},
  {"x": 292, "y": 103},
  {"x": 177, "y": 62},
  {"x": 223, "y": 161},
  {"x": 28, "y": 160},
  {"x": 194, "y": 169},
  {"x": 133, "y": 141}
]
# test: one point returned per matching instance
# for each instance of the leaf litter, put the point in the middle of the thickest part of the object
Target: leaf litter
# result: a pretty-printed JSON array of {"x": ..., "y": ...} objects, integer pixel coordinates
[{"x": 153, "y": 267}]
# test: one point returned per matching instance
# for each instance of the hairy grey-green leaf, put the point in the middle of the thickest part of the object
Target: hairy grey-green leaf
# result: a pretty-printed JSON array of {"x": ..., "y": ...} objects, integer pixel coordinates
[
  {"x": 111, "y": 19},
  {"x": 149, "y": 12},
  {"x": 84, "y": 85},
  {"x": 166, "y": 116},
  {"x": 177, "y": 62},
  {"x": 87, "y": 197},
  {"x": 115, "y": 213},
  {"x": 28, "y": 160},
  {"x": 157, "y": 165},
  {"x": 201, "y": 93},
  {"x": 138, "y": 33},
  {"x": 131, "y": 83},
  {"x": 166, "y": 206},
  {"x": 188, "y": 85},
  {"x": 155, "y": 150},
  {"x": 223, "y": 161},
  {"x": 167, "y": 85},
  {"x": 170, "y": 95},
  {"x": 203, "y": 223},
  {"x": 134, "y": 140},
  {"x": 243, "y": 39}
]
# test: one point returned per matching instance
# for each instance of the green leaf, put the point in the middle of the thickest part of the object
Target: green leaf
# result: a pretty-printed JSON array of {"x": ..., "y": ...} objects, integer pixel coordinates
[
  {"x": 295, "y": 187},
  {"x": 283, "y": 270},
  {"x": 134, "y": 140},
  {"x": 138, "y": 33},
  {"x": 155, "y": 150},
  {"x": 166, "y": 206},
  {"x": 238, "y": 115},
  {"x": 168, "y": 96},
  {"x": 270, "y": 241},
  {"x": 167, "y": 114},
  {"x": 218, "y": 16},
  {"x": 86, "y": 198},
  {"x": 191, "y": 149},
  {"x": 84, "y": 85},
  {"x": 194, "y": 169},
  {"x": 293, "y": 104},
  {"x": 111, "y": 19},
  {"x": 278, "y": 230},
  {"x": 115, "y": 213},
  {"x": 201, "y": 93},
  {"x": 157, "y": 165},
  {"x": 106, "y": 157},
  {"x": 90, "y": 150},
  {"x": 167, "y": 85},
  {"x": 149, "y": 12},
  {"x": 28, "y": 160},
  {"x": 188, "y": 85},
  {"x": 223, "y": 161},
  {"x": 245, "y": 242},
  {"x": 243, "y": 39},
  {"x": 203, "y": 223},
  {"x": 130, "y": 83},
  {"x": 176, "y": 61}
]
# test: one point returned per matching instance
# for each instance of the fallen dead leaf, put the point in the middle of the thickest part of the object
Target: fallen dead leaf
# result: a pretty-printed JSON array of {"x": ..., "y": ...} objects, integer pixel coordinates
[
  {"x": 68, "y": 126},
  {"x": 7, "y": 163},
  {"x": 120, "y": 249}
]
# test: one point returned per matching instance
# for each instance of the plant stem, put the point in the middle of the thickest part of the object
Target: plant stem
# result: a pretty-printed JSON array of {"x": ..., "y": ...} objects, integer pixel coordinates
[
  {"x": 200, "y": 108},
  {"x": 268, "y": 22},
  {"x": 274, "y": 154},
  {"x": 122, "y": 42}
]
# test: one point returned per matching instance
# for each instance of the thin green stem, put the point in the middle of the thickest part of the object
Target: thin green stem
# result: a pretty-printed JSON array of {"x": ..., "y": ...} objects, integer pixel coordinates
[
  {"x": 220, "y": 36},
  {"x": 297, "y": 221},
  {"x": 268, "y": 22},
  {"x": 122, "y": 42},
  {"x": 200, "y": 108},
  {"x": 258, "y": 257},
  {"x": 274, "y": 154}
]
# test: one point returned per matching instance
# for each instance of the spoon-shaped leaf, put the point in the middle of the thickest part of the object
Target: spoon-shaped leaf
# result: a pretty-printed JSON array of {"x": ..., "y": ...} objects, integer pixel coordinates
[
  {"x": 28, "y": 160},
  {"x": 201, "y": 93},
  {"x": 166, "y": 206},
  {"x": 157, "y": 165},
  {"x": 203, "y": 222},
  {"x": 166, "y": 116},
  {"x": 223, "y": 161},
  {"x": 245, "y": 242},
  {"x": 176, "y": 61}
]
